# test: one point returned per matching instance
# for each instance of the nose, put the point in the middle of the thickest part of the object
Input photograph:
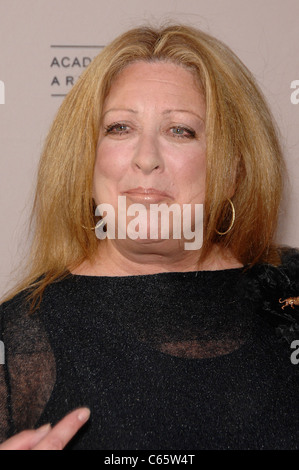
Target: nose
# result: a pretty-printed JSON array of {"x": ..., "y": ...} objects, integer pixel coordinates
[{"x": 147, "y": 156}]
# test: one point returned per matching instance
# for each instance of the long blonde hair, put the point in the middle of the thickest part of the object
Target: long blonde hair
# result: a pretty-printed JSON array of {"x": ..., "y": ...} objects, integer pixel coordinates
[{"x": 244, "y": 159}]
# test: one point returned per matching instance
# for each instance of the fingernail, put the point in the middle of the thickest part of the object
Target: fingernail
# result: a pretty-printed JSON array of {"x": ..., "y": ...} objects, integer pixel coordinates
[
  {"x": 84, "y": 414},
  {"x": 44, "y": 429}
]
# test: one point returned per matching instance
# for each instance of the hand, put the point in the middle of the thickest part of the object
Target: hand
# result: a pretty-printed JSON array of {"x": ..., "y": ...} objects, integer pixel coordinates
[{"x": 46, "y": 437}]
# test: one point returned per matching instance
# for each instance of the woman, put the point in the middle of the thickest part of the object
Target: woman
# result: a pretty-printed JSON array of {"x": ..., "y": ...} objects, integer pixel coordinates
[{"x": 168, "y": 347}]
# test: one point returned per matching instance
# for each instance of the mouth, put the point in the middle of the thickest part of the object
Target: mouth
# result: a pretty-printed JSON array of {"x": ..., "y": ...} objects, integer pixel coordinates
[{"x": 141, "y": 194}]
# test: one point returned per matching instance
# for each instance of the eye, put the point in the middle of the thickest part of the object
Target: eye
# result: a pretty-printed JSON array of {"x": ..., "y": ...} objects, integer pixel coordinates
[
  {"x": 181, "y": 131},
  {"x": 117, "y": 128}
]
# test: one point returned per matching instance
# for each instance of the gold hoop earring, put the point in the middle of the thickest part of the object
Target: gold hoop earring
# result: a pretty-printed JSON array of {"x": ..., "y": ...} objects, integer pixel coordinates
[
  {"x": 232, "y": 221},
  {"x": 98, "y": 225}
]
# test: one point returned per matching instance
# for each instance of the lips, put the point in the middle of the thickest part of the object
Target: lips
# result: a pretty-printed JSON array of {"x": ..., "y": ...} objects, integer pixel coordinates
[{"x": 147, "y": 194}]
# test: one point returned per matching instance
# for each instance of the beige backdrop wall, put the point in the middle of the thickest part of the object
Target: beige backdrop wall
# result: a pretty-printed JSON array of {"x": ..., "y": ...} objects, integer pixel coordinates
[{"x": 45, "y": 45}]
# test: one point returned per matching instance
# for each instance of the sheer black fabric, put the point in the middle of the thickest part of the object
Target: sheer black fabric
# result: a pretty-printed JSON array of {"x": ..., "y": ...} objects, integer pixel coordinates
[
  {"x": 28, "y": 374},
  {"x": 165, "y": 361}
]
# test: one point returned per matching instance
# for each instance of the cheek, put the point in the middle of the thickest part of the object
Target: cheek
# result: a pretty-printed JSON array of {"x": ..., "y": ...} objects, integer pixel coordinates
[
  {"x": 195, "y": 169},
  {"x": 109, "y": 162},
  {"x": 108, "y": 171},
  {"x": 190, "y": 175}
]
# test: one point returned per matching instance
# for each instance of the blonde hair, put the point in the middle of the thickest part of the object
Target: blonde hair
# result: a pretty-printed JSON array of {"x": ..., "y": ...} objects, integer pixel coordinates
[{"x": 244, "y": 159}]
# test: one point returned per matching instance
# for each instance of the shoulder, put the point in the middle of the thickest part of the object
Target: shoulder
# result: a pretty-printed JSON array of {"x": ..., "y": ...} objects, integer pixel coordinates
[
  {"x": 13, "y": 309},
  {"x": 274, "y": 290},
  {"x": 56, "y": 297},
  {"x": 15, "y": 313},
  {"x": 19, "y": 331},
  {"x": 21, "y": 301}
]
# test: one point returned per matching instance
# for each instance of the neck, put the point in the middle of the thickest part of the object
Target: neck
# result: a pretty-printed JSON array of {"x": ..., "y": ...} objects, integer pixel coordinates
[{"x": 114, "y": 260}]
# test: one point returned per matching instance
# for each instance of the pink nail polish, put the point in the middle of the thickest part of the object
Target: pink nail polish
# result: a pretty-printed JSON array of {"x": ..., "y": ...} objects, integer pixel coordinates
[
  {"x": 44, "y": 429},
  {"x": 84, "y": 415}
]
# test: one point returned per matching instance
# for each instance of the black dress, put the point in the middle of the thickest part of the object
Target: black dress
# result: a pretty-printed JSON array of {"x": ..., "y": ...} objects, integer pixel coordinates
[{"x": 170, "y": 361}]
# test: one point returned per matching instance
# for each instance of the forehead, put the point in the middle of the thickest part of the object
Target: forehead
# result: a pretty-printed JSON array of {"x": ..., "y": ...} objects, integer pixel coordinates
[{"x": 160, "y": 79}]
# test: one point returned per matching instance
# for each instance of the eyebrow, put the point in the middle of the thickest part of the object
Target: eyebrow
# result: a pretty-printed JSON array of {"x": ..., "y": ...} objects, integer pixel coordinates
[
  {"x": 120, "y": 109},
  {"x": 169, "y": 111},
  {"x": 166, "y": 111}
]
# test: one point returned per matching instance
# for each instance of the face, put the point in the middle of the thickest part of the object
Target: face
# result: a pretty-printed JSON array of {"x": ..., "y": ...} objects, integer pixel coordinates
[{"x": 151, "y": 145}]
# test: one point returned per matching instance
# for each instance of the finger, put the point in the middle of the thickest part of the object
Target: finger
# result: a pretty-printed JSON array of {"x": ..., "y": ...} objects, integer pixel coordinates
[
  {"x": 63, "y": 432},
  {"x": 26, "y": 440}
]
